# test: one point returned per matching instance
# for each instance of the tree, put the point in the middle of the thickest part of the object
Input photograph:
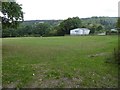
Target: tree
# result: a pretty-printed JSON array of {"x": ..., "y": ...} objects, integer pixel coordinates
[
  {"x": 25, "y": 30},
  {"x": 68, "y": 24},
  {"x": 41, "y": 29},
  {"x": 99, "y": 28},
  {"x": 53, "y": 31},
  {"x": 92, "y": 28},
  {"x": 9, "y": 32},
  {"x": 13, "y": 14}
]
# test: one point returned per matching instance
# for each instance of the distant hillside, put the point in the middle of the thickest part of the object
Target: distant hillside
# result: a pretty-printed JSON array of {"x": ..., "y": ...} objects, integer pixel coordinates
[
  {"x": 51, "y": 22},
  {"x": 107, "y": 22}
]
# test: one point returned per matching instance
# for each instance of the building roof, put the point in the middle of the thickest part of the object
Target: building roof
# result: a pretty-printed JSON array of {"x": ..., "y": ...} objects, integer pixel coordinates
[
  {"x": 81, "y": 29},
  {"x": 113, "y": 29}
]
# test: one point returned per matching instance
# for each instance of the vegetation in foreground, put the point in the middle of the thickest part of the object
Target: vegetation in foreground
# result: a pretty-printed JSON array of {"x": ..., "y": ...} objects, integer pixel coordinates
[{"x": 78, "y": 61}]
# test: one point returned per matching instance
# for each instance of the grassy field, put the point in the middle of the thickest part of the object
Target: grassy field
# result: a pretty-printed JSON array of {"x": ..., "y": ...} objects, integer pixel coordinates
[
  {"x": 0, "y": 63},
  {"x": 63, "y": 62}
]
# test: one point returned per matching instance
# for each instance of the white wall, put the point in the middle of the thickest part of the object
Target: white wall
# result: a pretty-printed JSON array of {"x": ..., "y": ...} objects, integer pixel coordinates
[
  {"x": 79, "y": 31},
  {"x": 1, "y": 14}
]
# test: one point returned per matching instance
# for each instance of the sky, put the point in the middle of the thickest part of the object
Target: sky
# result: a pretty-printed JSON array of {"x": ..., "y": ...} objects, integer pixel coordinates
[{"x": 63, "y": 9}]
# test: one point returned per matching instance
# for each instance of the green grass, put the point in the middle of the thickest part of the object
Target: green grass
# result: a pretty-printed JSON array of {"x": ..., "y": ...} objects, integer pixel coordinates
[
  {"x": 0, "y": 63},
  {"x": 59, "y": 62}
]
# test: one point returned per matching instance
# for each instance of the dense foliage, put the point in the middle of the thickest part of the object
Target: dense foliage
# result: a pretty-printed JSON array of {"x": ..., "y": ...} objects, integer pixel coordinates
[
  {"x": 68, "y": 24},
  {"x": 13, "y": 14}
]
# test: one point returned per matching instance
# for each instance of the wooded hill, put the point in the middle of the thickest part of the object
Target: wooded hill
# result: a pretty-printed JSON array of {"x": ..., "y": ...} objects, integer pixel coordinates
[{"x": 107, "y": 22}]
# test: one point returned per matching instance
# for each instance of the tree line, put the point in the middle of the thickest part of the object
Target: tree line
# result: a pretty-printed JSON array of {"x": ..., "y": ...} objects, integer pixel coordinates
[{"x": 60, "y": 29}]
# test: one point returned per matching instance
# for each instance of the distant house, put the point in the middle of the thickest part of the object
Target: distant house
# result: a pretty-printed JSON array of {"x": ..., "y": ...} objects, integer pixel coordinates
[
  {"x": 114, "y": 30},
  {"x": 79, "y": 31}
]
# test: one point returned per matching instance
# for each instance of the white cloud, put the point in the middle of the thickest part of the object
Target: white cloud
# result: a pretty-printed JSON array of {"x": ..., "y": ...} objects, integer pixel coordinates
[{"x": 62, "y": 9}]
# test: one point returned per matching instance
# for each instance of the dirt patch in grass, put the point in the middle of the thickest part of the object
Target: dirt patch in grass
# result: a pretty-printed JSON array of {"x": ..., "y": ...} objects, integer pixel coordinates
[
  {"x": 44, "y": 77},
  {"x": 63, "y": 82}
]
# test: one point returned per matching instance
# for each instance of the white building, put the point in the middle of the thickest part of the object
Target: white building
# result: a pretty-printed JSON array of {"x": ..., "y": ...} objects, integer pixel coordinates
[
  {"x": 79, "y": 31},
  {"x": 1, "y": 15},
  {"x": 115, "y": 30}
]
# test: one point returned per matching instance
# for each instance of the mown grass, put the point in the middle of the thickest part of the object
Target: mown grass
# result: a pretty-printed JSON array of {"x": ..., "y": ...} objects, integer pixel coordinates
[{"x": 59, "y": 62}]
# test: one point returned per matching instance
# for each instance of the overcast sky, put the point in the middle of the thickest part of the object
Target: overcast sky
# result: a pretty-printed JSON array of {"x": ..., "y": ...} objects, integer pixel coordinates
[{"x": 62, "y": 9}]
